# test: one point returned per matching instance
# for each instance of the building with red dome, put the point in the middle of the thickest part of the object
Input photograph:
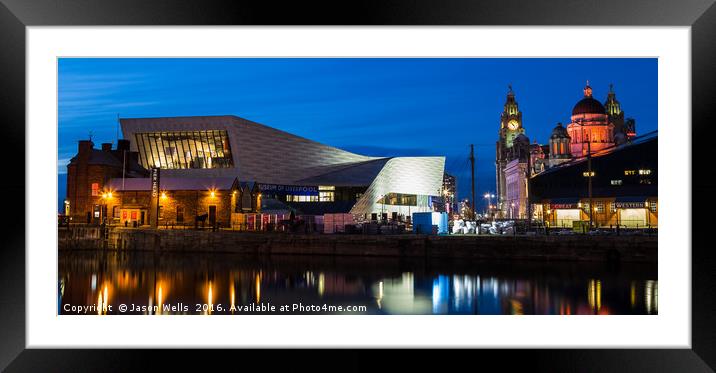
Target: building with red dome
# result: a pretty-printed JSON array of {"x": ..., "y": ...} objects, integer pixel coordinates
[
  {"x": 593, "y": 127},
  {"x": 590, "y": 129}
]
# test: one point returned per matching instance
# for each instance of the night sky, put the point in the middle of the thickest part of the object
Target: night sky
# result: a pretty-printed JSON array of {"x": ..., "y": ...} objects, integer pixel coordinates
[{"x": 379, "y": 107}]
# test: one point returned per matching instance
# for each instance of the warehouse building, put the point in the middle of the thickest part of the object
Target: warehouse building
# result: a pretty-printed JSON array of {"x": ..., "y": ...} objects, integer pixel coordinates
[{"x": 624, "y": 188}]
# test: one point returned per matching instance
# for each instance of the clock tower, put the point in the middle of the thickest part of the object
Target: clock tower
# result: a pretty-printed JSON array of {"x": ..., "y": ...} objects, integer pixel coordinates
[{"x": 510, "y": 128}]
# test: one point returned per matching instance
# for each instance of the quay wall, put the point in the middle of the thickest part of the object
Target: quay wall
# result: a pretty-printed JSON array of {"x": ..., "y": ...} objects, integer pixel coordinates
[{"x": 574, "y": 248}]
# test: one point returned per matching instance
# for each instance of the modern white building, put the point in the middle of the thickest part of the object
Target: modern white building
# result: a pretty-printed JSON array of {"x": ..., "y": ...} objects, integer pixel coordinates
[{"x": 303, "y": 174}]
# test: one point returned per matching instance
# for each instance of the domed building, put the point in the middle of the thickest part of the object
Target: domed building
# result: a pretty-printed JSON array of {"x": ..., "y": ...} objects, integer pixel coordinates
[
  {"x": 593, "y": 127},
  {"x": 559, "y": 147},
  {"x": 590, "y": 129}
]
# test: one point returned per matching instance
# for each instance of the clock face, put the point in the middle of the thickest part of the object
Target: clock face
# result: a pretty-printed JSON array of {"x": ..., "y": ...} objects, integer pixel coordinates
[{"x": 512, "y": 125}]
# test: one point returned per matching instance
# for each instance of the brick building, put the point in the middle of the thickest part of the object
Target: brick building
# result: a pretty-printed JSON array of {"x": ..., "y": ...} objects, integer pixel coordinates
[
  {"x": 87, "y": 176},
  {"x": 181, "y": 201},
  {"x": 205, "y": 163},
  {"x": 624, "y": 188}
]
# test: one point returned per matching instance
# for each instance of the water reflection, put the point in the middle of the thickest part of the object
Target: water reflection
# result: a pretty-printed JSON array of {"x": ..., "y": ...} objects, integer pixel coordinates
[{"x": 155, "y": 284}]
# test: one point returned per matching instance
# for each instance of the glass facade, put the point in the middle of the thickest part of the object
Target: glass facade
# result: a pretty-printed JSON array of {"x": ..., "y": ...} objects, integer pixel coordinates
[
  {"x": 184, "y": 149},
  {"x": 399, "y": 199}
]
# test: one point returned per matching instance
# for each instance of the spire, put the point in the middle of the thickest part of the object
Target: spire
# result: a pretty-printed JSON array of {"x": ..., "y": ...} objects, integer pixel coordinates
[
  {"x": 511, "y": 106},
  {"x": 612, "y": 105},
  {"x": 587, "y": 90}
]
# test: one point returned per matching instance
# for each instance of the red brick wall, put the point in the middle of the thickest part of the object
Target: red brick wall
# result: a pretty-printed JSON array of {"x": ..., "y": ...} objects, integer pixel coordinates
[
  {"x": 80, "y": 177},
  {"x": 194, "y": 203}
]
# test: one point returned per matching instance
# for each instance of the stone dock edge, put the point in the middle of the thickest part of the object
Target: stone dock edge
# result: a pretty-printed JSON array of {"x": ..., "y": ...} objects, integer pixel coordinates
[{"x": 549, "y": 248}]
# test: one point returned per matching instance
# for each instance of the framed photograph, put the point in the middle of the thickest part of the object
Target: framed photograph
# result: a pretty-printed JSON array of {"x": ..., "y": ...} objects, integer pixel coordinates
[{"x": 413, "y": 176}]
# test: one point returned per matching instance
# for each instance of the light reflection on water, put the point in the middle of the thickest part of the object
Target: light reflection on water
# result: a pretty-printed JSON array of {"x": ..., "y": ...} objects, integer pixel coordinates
[{"x": 176, "y": 283}]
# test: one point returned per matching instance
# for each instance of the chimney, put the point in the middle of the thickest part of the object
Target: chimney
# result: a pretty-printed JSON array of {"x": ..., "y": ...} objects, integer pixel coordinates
[
  {"x": 84, "y": 148},
  {"x": 123, "y": 145},
  {"x": 107, "y": 146}
]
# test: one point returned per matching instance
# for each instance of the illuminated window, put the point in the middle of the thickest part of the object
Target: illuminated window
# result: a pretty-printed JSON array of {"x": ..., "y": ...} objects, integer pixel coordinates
[
  {"x": 629, "y": 172},
  {"x": 587, "y": 174},
  {"x": 612, "y": 207},
  {"x": 645, "y": 172},
  {"x": 399, "y": 199},
  {"x": 95, "y": 189},
  {"x": 294, "y": 198},
  {"x": 184, "y": 149},
  {"x": 652, "y": 206},
  {"x": 326, "y": 193},
  {"x": 616, "y": 182},
  {"x": 599, "y": 207}
]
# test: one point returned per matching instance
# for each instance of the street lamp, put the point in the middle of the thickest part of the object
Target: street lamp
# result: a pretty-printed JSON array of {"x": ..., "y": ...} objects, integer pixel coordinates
[{"x": 489, "y": 196}]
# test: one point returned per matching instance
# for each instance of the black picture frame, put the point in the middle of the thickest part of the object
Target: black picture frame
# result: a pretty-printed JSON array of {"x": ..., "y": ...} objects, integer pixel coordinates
[{"x": 700, "y": 15}]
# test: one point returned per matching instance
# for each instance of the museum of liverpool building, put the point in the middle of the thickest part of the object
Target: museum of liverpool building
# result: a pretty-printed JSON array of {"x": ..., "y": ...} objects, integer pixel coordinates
[{"x": 216, "y": 166}]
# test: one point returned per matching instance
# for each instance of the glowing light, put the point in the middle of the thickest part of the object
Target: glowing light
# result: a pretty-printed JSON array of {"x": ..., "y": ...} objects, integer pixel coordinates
[
  {"x": 232, "y": 291},
  {"x": 213, "y": 194},
  {"x": 160, "y": 297},
  {"x": 164, "y": 195},
  {"x": 109, "y": 195},
  {"x": 99, "y": 303},
  {"x": 321, "y": 284},
  {"x": 380, "y": 294},
  {"x": 258, "y": 288},
  {"x": 594, "y": 295},
  {"x": 210, "y": 298}
]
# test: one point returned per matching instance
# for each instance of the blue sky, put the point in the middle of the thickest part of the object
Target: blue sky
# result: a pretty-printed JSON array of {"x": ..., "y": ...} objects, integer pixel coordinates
[{"x": 403, "y": 106}]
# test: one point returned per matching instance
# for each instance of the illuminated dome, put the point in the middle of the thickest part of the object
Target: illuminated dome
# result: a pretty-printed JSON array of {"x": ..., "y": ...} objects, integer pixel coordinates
[
  {"x": 588, "y": 105},
  {"x": 559, "y": 132}
]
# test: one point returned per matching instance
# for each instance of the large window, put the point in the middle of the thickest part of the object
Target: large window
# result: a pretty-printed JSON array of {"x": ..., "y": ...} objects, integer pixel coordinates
[
  {"x": 326, "y": 193},
  {"x": 295, "y": 198},
  {"x": 184, "y": 149},
  {"x": 399, "y": 199}
]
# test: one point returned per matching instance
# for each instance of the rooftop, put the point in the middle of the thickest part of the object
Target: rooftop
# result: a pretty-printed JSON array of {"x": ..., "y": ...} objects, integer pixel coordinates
[{"x": 173, "y": 183}]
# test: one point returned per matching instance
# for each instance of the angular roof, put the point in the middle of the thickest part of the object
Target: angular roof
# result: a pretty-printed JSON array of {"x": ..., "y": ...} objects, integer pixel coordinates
[
  {"x": 260, "y": 153},
  {"x": 353, "y": 174},
  {"x": 173, "y": 183}
]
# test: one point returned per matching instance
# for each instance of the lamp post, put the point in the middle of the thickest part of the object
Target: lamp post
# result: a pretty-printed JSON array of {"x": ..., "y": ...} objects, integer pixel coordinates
[
  {"x": 589, "y": 172},
  {"x": 489, "y": 197}
]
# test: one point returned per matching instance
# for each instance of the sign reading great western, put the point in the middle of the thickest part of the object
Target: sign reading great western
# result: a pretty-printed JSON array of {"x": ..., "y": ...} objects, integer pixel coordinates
[
  {"x": 288, "y": 189},
  {"x": 155, "y": 182},
  {"x": 629, "y": 205},
  {"x": 558, "y": 206}
]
